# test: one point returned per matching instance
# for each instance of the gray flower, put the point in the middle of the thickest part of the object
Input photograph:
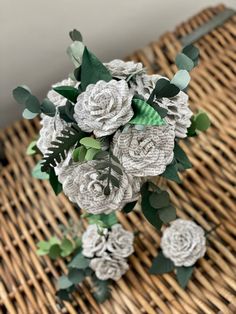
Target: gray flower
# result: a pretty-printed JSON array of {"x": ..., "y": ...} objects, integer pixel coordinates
[
  {"x": 183, "y": 242},
  {"x": 93, "y": 243},
  {"x": 178, "y": 113},
  {"x": 120, "y": 241},
  {"x": 56, "y": 98},
  {"x": 143, "y": 85},
  {"x": 145, "y": 152},
  {"x": 104, "y": 107},
  {"x": 108, "y": 267},
  {"x": 122, "y": 70},
  {"x": 83, "y": 185}
]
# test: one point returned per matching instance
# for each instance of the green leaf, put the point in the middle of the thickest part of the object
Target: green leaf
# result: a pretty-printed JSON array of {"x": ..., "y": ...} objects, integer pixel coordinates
[
  {"x": 108, "y": 219},
  {"x": 183, "y": 275},
  {"x": 70, "y": 136},
  {"x": 161, "y": 265},
  {"x": 69, "y": 92},
  {"x": 144, "y": 114},
  {"x": 56, "y": 185},
  {"x": 54, "y": 240},
  {"x": 102, "y": 292},
  {"x": 91, "y": 153},
  {"x": 202, "y": 121},
  {"x": 41, "y": 252},
  {"x": 67, "y": 112},
  {"x": 164, "y": 88},
  {"x": 32, "y": 104},
  {"x": 64, "y": 282},
  {"x": 32, "y": 148},
  {"x": 66, "y": 247},
  {"x": 75, "y": 35},
  {"x": 75, "y": 52},
  {"x": 79, "y": 154},
  {"x": 149, "y": 212},
  {"x": 92, "y": 70},
  {"x": 129, "y": 207},
  {"x": 191, "y": 51},
  {"x": 183, "y": 62},
  {"x": 48, "y": 108},
  {"x": 76, "y": 276},
  {"x": 79, "y": 261},
  {"x": 159, "y": 199},
  {"x": 28, "y": 114},
  {"x": 44, "y": 245},
  {"x": 38, "y": 173},
  {"x": 181, "y": 157},
  {"x": 181, "y": 79},
  {"x": 54, "y": 251},
  {"x": 171, "y": 172},
  {"x": 21, "y": 94},
  {"x": 63, "y": 295},
  {"x": 167, "y": 214},
  {"x": 90, "y": 142}
]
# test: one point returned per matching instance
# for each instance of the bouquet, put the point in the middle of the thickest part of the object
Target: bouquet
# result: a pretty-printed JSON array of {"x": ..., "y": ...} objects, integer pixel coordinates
[{"x": 107, "y": 132}]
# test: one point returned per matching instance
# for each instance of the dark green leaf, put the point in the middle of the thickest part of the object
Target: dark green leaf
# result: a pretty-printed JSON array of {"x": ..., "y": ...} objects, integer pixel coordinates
[
  {"x": 102, "y": 292},
  {"x": 90, "y": 142},
  {"x": 66, "y": 247},
  {"x": 48, "y": 108},
  {"x": 183, "y": 62},
  {"x": 202, "y": 121},
  {"x": 64, "y": 282},
  {"x": 181, "y": 157},
  {"x": 192, "y": 128},
  {"x": 54, "y": 251},
  {"x": 75, "y": 35},
  {"x": 159, "y": 199},
  {"x": 171, "y": 173},
  {"x": 183, "y": 275},
  {"x": 92, "y": 70},
  {"x": 21, "y": 94},
  {"x": 161, "y": 265},
  {"x": 32, "y": 104},
  {"x": 69, "y": 92},
  {"x": 56, "y": 185},
  {"x": 102, "y": 165},
  {"x": 164, "y": 88},
  {"x": 77, "y": 75},
  {"x": 167, "y": 214},
  {"x": 38, "y": 173},
  {"x": 28, "y": 114},
  {"x": 149, "y": 212},
  {"x": 79, "y": 261},
  {"x": 63, "y": 295},
  {"x": 76, "y": 276},
  {"x": 67, "y": 112},
  {"x": 191, "y": 51},
  {"x": 129, "y": 207}
]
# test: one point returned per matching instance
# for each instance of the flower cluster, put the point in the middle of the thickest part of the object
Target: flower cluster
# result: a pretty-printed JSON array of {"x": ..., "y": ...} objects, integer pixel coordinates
[{"x": 108, "y": 250}]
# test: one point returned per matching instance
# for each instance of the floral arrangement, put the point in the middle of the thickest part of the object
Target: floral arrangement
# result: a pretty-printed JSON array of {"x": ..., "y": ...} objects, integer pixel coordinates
[{"x": 106, "y": 132}]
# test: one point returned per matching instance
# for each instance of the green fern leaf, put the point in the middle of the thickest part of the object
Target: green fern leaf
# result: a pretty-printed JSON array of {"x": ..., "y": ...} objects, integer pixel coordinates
[{"x": 68, "y": 138}]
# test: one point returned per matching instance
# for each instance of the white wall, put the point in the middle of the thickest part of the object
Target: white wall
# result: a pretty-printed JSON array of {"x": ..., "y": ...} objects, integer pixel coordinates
[{"x": 34, "y": 36}]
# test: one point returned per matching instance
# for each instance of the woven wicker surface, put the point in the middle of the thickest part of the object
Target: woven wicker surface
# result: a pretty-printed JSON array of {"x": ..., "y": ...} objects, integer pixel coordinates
[{"x": 30, "y": 212}]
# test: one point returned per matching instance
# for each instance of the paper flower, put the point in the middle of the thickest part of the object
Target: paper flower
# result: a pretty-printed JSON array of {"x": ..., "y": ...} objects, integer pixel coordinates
[
  {"x": 82, "y": 185},
  {"x": 120, "y": 241},
  {"x": 178, "y": 113},
  {"x": 122, "y": 70},
  {"x": 56, "y": 98},
  {"x": 109, "y": 267},
  {"x": 93, "y": 243},
  {"x": 104, "y": 107},
  {"x": 183, "y": 242},
  {"x": 145, "y": 152},
  {"x": 143, "y": 85}
]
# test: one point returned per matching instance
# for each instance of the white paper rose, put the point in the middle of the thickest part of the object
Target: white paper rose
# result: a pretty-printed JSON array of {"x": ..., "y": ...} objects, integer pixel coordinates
[
  {"x": 178, "y": 113},
  {"x": 56, "y": 98},
  {"x": 184, "y": 242},
  {"x": 108, "y": 267},
  {"x": 145, "y": 152},
  {"x": 104, "y": 107},
  {"x": 122, "y": 70},
  {"x": 93, "y": 243},
  {"x": 82, "y": 184},
  {"x": 144, "y": 84},
  {"x": 120, "y": 241}
]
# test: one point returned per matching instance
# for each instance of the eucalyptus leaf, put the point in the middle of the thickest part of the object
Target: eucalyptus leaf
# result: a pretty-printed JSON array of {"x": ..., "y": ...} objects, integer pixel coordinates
[
  {"x": 164, "y": 88},
  {"x": 28, "y": 114},
  {"x": 181, "y": 157},
  {"x": 181, "y": 79},
  {"x": 79, "y": 261},
  {"x": 76, "y": 276},
  {"x": 48, "y": 108},
  {"x": 75, "y": 35},
  {"x": 91, "y": 153},
  {"x": 79, "y": 154},
  {"x": 191, "y": 51},
  {"x": 75, "y": 52},
  {"x": 38, "y": 173},
  {"x": 159, "y": 199},
  {"x": 171, "y": 173},
  {"x": 183, "y": 275},
  {"x": 66, "y": 247},
  {"x": 183, "y": 62},
  {"x": 161, "y": 265},
  {"x": 44, "y": 245},
  {"x": 64, "y": 282},
  {"x": 54, "y": 251},
  {"x": 32, "y": 104},
  {"x": 63, "y": 295},
  {"x": 202, "y": 121},
  {"x": 21, "y": 94},
  {"x": 90, "y": 142},
  {"x": 167, "y": 214},
  {"x": 69, "y": 92}
]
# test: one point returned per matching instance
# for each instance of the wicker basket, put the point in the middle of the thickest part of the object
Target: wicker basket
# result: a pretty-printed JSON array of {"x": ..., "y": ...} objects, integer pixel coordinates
[{"x": 30, "y": 212}]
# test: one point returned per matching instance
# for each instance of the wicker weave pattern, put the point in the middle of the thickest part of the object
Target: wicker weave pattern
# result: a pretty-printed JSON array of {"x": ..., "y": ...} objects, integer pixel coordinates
[{"x": 29, "y": 211}]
